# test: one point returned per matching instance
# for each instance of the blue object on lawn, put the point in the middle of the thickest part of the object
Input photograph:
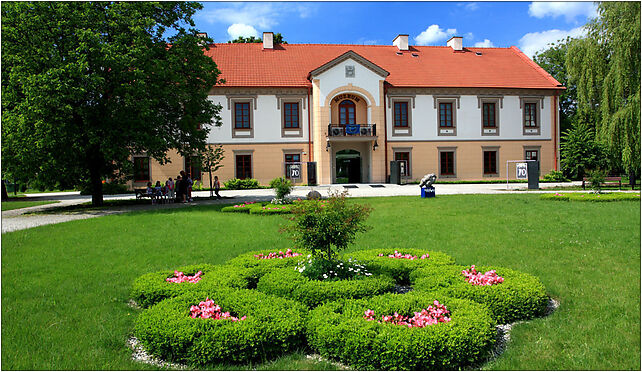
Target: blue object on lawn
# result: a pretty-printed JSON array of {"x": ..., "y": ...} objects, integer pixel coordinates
[{"x": 428, "y": 192}]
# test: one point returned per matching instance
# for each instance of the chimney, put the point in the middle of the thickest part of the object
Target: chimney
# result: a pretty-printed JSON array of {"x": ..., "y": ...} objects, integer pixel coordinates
[
  {"x": 268, "y": 40},
  {"x": 401, "y": 42},
  {"x": 456, "y": 42}
]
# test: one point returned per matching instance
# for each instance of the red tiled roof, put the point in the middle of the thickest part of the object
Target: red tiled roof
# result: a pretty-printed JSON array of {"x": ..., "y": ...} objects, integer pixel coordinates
[{"x": 288, "y": 65}]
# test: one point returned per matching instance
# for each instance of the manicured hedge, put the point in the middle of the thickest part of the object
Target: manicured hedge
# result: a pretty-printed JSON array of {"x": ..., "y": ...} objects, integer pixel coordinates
[
  {"x": 338, "y": 330},
  {"x": 521, "y": 296},
  {"x": 290, "y": 283},
  {"x": 256, "y": 268},
  {"x": 259, "y": 208},
  {"x": 244, "y": 209},
  {"x": 274, "y": 326},
  {"x": 399, "y": 268},
  {"x": 590, "y": 197},
  {"x": 152, "y": 288}
]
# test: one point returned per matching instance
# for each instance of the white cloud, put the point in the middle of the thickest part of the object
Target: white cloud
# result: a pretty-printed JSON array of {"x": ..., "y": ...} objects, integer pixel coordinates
[
  {"x": 239, "y": 29},
  {"x": 433, "y": 34},
  {"x": 570, "y": 10},
  {"x": 471, "y": 6},
  {"x": 538, "y": 41},
  {"x": 484, "y": 44},
  {"x": 260, "y": 15}
]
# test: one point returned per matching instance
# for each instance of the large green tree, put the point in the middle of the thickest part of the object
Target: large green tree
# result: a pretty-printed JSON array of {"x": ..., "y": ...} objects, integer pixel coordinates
[
  {"x": 605, "y": 66},
  {"x": 278, "y": 39},
  {"x": 85, "y": 85}
]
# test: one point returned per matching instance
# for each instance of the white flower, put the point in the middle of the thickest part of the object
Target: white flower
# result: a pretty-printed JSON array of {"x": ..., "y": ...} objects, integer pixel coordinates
[
  {"x": 325, "y": 276},
  {"x": 368, "y": 274}
]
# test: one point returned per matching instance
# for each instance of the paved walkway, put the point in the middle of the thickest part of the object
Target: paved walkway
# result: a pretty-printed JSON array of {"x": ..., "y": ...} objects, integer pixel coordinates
[{"x": 19, "y": 219}]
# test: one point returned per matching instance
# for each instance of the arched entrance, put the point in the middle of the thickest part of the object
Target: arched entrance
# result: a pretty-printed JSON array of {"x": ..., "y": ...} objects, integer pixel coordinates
[{"x": 348, "y": 166}]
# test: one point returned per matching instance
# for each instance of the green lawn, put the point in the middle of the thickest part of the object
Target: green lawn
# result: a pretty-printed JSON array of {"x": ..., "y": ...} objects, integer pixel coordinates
[
  {"x": 9, "y": 205},
  {"x": 65, "y": 287}
]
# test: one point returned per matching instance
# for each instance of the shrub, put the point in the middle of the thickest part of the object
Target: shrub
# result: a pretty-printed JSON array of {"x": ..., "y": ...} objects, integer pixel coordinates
[
  {"x": 239, "y": 208},
  {"x": 152, "y": 288},
  {"x": 521, "y": 296},
  {"x": 323, "y": 269},
  {"x": 590, "y": 197},
  {"x": 282, "y": 187},
  {"x": 237, "y": 184},
  {"x": 256, "y": 268},
  {"x": 326, "y": 227},
  {"x": 596, "y": 179},
  {"x": 554, "y": 176},
  {"x": 580, "y": 151},
  {"x": 271, "y": 209},
  {"x": 399, "y": 269},
  {"x": 273, "y": 326},
  {"x": 339, "y": 330},
  {"x": 292, "y": 284}
]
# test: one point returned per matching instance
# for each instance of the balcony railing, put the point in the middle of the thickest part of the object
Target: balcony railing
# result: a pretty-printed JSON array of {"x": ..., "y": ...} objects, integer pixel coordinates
[{"x": 352, "y": 130}]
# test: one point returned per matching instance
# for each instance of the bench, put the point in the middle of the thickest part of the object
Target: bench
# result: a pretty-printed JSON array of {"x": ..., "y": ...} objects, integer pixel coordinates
[
  {"x": 142, "y": 193},
  {"x": 608, "y": 181}
]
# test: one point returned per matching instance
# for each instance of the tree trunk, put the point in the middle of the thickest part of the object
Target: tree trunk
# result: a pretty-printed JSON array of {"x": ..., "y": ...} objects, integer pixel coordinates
[
  {"x": 632, "y": 177},
  {"x": 95, "y": 176},
  {"x": 211, "y": 186},
  {"x": 5, "y": 196}
]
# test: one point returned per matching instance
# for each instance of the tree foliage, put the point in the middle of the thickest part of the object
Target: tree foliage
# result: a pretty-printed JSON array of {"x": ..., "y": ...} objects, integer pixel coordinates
[
  {"x": 605, "y": 66},
  {"x": 581, "y": 152},
  {"x": 278, "y": 39},
  {"x": 87, "y": 84}
]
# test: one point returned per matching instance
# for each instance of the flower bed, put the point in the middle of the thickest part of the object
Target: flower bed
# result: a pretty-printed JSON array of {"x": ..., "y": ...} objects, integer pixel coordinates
[
  {"x": 292, "y": 284},
  {"x": 402, "y": 263},
  {"x": 271, "y": 327},
  {"x": 339, "y": 330},
  {"x": 255, "y": 267},
  {"x": 476, "y": 278},
  {"x": 258, "y": 208},
  {"x": 152, "y": 288},
  {"x": 426, "y": 317},
  {"x": 591, "y": 197},
  {"x": 519, "y": 296}
]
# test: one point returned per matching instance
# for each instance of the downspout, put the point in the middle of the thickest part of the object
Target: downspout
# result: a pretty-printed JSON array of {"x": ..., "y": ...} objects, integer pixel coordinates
[
  {"x": 555, "y": 129},
  {"x": 385, "y": 134},
  {"x": 309, "y": 132}
]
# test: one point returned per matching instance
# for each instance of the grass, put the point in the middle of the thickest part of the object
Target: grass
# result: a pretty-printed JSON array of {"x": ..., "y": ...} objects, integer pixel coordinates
[
  {"x": 10, "y": 205},
  {"x": 591, "y": 197},
  {"x": 65, "y": 287}
]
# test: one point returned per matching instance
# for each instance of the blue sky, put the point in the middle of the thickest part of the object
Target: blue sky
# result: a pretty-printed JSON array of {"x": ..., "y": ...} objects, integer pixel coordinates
[{"x": 528, "y": 25}]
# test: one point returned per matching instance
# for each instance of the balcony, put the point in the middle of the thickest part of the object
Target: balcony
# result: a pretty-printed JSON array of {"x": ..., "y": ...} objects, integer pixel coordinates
[{"x": 352, "y": 130}]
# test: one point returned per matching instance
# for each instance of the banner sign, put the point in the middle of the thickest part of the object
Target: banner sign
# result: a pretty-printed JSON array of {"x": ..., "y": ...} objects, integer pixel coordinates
[
  {"x": 522, "y": 171},
  {"x": 295, "y": 171},
  {"x": 352, "y": 128}
]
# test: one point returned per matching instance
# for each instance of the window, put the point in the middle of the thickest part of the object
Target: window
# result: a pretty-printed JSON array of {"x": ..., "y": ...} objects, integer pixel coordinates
[
  {"x": 192, "y": 167},
  {"x": 404, "y": 157},
  {"x": 141, "y": 169},
  {"x": 488, "y": 115},
  {"x": 490, "y": 162},
  {"x": 347, "y": 111},
  {"x": 291, "y": 115},
  {"x": 289, "y": 160},
  {"x": 242, "y": 115},
  {"x": 446, "y": 114},
  {"x": 531, "y": 154},
  {"x": 243, "y": 166},
  {"x": 530, "y": 114},
  {"x": 447, "y": 163},
  {"x": 401, "y": 114}
]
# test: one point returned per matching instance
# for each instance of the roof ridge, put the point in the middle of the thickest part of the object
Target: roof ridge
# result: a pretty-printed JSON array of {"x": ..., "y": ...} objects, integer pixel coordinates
[{"x": 535, "y": 66}]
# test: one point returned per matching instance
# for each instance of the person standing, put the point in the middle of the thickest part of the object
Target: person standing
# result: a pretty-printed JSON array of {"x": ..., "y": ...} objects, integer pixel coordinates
[
  {"x": 190, "y": 183},
  {"x": 182, "y": 189},
  {"x": 217, "y": 186},
  {"x": 169, "y": 184}
]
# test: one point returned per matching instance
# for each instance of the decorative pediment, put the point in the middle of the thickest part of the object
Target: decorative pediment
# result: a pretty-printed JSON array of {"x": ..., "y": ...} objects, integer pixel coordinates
[{"x": 345, "y": 56}]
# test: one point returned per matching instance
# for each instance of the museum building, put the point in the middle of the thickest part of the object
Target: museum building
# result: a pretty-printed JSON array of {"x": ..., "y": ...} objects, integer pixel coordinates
[{"x": 350, "y": 110}]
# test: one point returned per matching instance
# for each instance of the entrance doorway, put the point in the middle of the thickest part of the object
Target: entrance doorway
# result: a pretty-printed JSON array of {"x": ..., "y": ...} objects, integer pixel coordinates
[{"x": 348, "y": 166}]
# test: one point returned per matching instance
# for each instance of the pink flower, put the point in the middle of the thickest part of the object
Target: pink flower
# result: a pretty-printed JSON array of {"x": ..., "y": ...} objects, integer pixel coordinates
[
  {"x": 488, "y": 278},
  {"x": 209, "y": 310}
]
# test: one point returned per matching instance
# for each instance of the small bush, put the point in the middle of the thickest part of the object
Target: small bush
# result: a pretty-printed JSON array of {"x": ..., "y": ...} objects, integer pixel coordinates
[
  {"x": 237, "y": 184},
  {"x": 554, "y": 176},
  {"x": 590, "y": 197},
  {"x": 321, "y": 269},
  {"x": 273, "y": 327},
  {"x": 282, "y": 187},
  {"x": 521, "y": 296},
  {"x": 292, "y": 284},
  {"x": 327, "y": 227},
  {"x": 399, "y": 268},
  {"x": 256, "y": 268},
  {"x": 338, "y": 330},
  {"x": 596, "y": 179},
  {"x": 152, "y": 288}
]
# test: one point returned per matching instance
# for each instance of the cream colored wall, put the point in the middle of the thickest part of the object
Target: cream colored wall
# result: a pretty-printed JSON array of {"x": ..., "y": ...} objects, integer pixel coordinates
[
  {"x": 161, "y": 173},
  {"x": 469, "y": 157}
]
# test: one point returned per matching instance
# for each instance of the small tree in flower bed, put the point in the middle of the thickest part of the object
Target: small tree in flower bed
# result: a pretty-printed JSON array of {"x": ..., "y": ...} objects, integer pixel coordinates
[
  {"x": 179, "y": 277},
  {"x": 209, "y": 310},
  {"x": 288, "y": 253},
  {"x": 428, "y": 316},
  {"x": 488, "y": 278},
  {"x": 327, "y": 228}
]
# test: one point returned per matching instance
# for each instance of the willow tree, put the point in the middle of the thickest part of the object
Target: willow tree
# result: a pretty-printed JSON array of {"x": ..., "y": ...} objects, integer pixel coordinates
[
  {"x": 88, "y": 84},
  {"x": 605, "y": 66}
]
